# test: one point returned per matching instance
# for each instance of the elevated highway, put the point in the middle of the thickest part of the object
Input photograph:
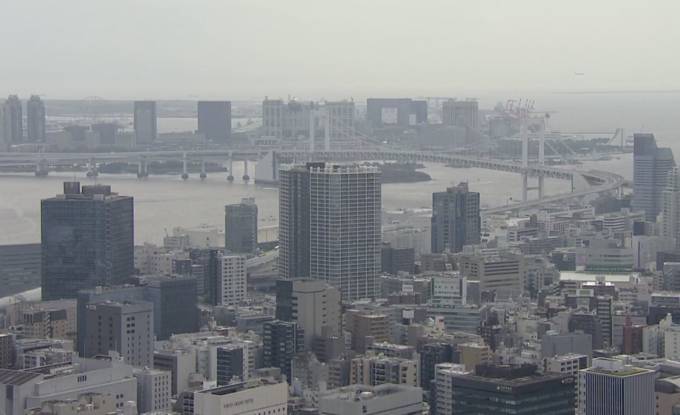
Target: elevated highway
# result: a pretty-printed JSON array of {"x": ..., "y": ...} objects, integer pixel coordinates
[{"x": 269, "y": 162}]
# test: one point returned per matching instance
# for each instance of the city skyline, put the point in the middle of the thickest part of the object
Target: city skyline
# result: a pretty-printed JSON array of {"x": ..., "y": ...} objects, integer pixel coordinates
[{"x": 339, "y": 208}]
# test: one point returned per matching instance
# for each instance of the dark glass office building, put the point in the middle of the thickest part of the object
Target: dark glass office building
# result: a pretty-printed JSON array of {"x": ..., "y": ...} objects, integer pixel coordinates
[
  {"x": 214, "y": 120},
  {"x": 145, "y": 122},
  {"x": 456, "y": 219},
  {"x": 175, "y": 304},
  {"x": 230, "y": 363},
  {"x": 432, "y": 354},
  {"x": 281, "y": 341},
  {"x": 294, "y": 221},
  {"x": 35, "y": 119},
  {"x": 513, "y": 390},
  {"x": 240, "y": 227},
  {"x": 87, "y": 240}
]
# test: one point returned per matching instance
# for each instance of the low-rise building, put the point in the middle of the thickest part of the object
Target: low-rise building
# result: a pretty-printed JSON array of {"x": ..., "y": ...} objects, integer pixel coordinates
[
  {"x": 257, "y": 397},
  {"x": 22, "y": 390},
  {"x": 367, "y": 400},
  {"x": 153, "y": 390}
]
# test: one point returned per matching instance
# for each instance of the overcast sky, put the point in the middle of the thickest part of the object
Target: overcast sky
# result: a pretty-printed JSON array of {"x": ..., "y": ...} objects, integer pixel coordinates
[{"x": 240, "y": 49}]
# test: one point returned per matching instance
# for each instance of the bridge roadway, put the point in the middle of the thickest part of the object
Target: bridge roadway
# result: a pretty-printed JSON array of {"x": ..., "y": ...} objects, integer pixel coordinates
[{"x": 599, "y": 181}]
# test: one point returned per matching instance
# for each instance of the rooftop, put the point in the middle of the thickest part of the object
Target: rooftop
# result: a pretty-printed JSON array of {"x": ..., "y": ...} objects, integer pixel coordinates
[
  {"x": 614, "y": 367},
  {"x": 237, "y": 387},
  {"x": 365, "y": 392},
  {"x": 16, "y": 377}
]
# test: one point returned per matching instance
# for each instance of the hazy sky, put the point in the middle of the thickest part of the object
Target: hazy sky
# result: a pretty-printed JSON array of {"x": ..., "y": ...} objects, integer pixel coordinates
[{"x": 239, "y": 49}]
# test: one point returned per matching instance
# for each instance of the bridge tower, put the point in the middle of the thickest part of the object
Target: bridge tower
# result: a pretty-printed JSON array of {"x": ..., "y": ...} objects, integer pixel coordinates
[
  {"x": 312, "y": 128},
  {"x": 541, "y": 156},
  {"x": 525, "y": 158},
  {"x": 322, "y": 114},
  {"x": 327, "y": 130},
  {"x": 524, "y": 114}
]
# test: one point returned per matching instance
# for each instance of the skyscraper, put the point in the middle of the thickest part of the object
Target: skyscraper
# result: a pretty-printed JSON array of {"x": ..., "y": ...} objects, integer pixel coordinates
[
  {"x": 294, "y": 221},
  {"x": 35, "y": 119},
  {"x": 345, "y": 232},
  {"x": 330, "y": 226},
  {"x": 240, "y": 227},
  {"x": 214, "y": 120},
  {"x": 87, "y": 240},
  {"x": 12, "y": 121},
  {"x": 651, "y": 166},
  {"x": 145, "y": 122},
  {"x": 610, "y": 387},
  {"x": 670, "y": 220},
  {"x": 232, "y": 281},
  {"x": 456, "y": 220}
]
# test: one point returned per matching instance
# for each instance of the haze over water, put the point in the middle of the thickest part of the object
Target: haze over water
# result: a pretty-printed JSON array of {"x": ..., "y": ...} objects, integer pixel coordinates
[{"x": 163, "y": 202}]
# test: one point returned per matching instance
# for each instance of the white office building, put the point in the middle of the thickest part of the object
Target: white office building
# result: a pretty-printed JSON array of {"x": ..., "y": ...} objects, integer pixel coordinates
[
  {"x": 259, "y": 397},
  {"x": 448, "y": 288},
  {"x": 154, "y": 388},
  {"x": 443, "y": 386},
  {"x": 21, "y": 391},
  {"x": 232, "y": 282},
  {"x": 345, "y": 231},
  {"x": 611, "y": 387}
]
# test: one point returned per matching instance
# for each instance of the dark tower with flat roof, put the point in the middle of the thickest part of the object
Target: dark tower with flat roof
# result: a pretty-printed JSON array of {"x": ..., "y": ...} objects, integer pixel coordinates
[
  {"x": 87, "y": 238},
  {"x": 214, "y": 120}
]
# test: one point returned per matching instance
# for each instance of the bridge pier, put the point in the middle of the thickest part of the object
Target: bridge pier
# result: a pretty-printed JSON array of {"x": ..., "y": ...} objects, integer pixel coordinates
[
  {"x": 541, "y": 186},
  {"x": 203, "y": 173},
  {"x": 525, "y": 186},
  {"x": 185, "y": 172},
  {"x": 246, "y": 178},
  {"x": 92, "y": 168},
  {"x": 41, "y": 168},
  {"x": 230, "y": 163},
  {"x": 142, "y": 168}
]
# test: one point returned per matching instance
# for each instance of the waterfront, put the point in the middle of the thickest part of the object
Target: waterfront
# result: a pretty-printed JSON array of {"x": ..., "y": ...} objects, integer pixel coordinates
[{"x": 163, "y": 202}]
